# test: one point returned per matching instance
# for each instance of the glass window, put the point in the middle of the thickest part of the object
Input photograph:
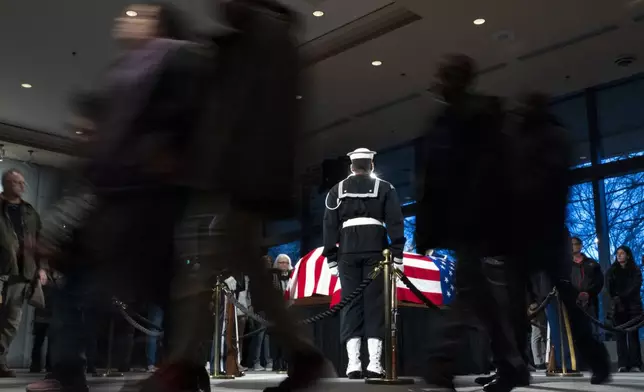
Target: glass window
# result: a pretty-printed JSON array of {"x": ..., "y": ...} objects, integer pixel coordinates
[
  {"x": 397, "y": 167},
  {"x": 621, "y": 118},
  {"x": 292, "y": 249},
  {"x": 274, "y": 228},
  {"x": 572, "y": 114},
  {"x": 410, "y": 230},
  {"x": 625, "y": 208},
  {"x": 580, "y": 218}
]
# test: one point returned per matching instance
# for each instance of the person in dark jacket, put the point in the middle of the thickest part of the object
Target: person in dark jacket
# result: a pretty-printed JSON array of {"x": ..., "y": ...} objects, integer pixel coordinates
[
  {"x": 587, "y": 277},
  {"x": 19, "y": 267},
  {"x": 362, "y": 218},
  {"x": 464, "y": 152},
  {"x": 158, "y": 126},
  {"x": 624, "y": 282}
]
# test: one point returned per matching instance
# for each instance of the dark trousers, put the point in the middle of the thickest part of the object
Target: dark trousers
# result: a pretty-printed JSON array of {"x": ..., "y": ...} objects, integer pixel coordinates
[
  {"x": 476, "y": 298},
  {"x": 629, "y": 354},
  {"x": 279, "y": 357},
  {"x": 40, "y": 334},
  {"x": 508, "y": 287},
  {"x": 364, "y": 317},
  {"x": 13, "y": 299}
]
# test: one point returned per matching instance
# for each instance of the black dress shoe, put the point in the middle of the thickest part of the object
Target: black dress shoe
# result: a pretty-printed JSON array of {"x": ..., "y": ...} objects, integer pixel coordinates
[
  {"x": 369, "y": 374},
  {"x": 507, "y": 382},
  {"x": 485, "y": 380},
  {"x": 5, "y": 372},
  {"x": 601, "y": 377},
  {"x": 354, "y": 375}
]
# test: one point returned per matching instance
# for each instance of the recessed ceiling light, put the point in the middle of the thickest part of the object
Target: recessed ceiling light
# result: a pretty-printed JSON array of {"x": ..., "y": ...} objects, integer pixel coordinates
[
  {"x": 583, "y": 157},
  {"x": 376, "y": 63},
  {"x": 79, "y": 132},
  {"x": 318, "y": 14},
  {"x": 298, "y": 97},
  {"x": 26, "y": 85},
  {"x": 131, "y": 13},
  {"x": 479, "y": 22}
]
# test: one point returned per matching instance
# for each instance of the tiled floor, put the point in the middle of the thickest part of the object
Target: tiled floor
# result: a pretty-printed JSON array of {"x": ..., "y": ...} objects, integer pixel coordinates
[{"x": 257, "y": 381}]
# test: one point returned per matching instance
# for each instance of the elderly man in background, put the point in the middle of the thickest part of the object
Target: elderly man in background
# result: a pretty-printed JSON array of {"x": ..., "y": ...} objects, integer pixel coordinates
[
  {"x": 281, "y": 273},
  {"x": 19, "y": 268}
]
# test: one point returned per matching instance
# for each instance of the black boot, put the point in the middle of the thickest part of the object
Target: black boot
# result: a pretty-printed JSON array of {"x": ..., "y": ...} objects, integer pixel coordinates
[
  {"x": 354, "y": 375},
  {"x": 370, "y": 374}
]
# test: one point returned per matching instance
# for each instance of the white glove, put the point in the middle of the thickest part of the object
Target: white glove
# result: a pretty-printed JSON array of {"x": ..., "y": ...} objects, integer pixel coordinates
[
  {"x": 334, "y": 270},
  {"x": 398, "y": 264},
  {"x": 231, "y": 283}
]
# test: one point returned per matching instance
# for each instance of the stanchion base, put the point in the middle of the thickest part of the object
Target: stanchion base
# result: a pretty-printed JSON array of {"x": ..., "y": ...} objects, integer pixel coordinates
[
  {"x": 221, "y": 377},
  {"x": 108, "y": 374},
  {"x": 386, "y": 381},
  {"x": 568, "y": 374}
]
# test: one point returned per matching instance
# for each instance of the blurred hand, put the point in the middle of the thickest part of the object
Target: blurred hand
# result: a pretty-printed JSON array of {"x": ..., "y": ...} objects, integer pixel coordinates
[
  {"x": 531, "y": 309},
  {"x": 42, "y": 276}
]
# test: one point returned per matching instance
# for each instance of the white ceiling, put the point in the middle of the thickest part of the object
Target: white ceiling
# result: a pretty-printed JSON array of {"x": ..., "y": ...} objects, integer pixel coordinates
[{"x": 578, "y": 39}]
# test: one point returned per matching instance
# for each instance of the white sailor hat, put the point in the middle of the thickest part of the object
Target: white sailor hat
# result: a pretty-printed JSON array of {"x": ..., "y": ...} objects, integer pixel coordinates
[{"x": 361, "y": 153}]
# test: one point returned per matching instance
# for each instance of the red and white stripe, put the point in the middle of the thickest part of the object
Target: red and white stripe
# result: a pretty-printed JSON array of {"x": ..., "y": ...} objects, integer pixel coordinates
[{"x": 312, "y": 276}]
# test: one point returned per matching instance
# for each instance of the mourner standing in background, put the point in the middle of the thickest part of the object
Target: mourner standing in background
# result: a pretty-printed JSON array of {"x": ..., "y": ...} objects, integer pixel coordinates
[
  {"x": 281, "y": 274},
  {"x": 360, "y": 212},
  {"x": 624, "y": 281},
  {"x": 587, "y": 277},
  {"x": 19, "y": 231}
]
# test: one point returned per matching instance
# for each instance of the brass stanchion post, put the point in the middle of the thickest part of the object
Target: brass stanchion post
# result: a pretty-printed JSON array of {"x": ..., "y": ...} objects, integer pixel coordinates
[
  {"x": 216, "y": 336},
  {"x": 564, "y": 325},
  {"x": 391, "y": 331}
]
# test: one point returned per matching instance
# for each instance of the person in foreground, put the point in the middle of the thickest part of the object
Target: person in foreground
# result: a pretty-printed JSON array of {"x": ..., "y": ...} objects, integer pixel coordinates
[
  {"x": 164, "y": 97},
  {"x": 520, "y": 158}
]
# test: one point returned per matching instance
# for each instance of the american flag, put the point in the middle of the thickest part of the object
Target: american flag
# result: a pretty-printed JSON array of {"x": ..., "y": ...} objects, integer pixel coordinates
[{"x": 433, "y": 276}]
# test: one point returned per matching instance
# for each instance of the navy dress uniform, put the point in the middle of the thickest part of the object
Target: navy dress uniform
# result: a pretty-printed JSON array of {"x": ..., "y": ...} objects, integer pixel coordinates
[{"x": 360, "y": 212}]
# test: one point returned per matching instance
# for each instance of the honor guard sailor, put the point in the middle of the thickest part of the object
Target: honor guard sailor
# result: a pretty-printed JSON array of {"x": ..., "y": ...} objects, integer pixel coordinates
[{"x": 361, "y": 211}]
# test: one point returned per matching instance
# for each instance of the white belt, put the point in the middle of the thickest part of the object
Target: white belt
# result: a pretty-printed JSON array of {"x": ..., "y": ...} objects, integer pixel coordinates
[{"x": 361, "y": 222}]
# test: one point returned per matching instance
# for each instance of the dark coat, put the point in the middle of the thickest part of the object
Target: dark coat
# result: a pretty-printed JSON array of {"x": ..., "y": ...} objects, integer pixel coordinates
[
  {"x": 461, "y": 194},
  {"x": 245, "y": 144},
  {"x": 623, "y": 285},
  {"x": 10, "y": 244},
  {"x": 587, "y": 277}
]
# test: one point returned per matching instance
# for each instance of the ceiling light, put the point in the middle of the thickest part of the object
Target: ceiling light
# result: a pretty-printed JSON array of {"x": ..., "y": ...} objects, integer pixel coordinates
[
  {"x": 298, "y": 97},
  {"x": 26, "y": 85},
  {"x": 79, "y": 132},
  {"x": 479, "y": 22},
  {"x": 131, "y": 13},
  {"x": 583, "y": 157},
  {"x": 376, "y": 63},
  {"x": 318, "y": 14}
]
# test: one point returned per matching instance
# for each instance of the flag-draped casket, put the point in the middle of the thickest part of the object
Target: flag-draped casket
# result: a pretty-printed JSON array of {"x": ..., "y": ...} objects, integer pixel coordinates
[{"x": 432, "y": 276}]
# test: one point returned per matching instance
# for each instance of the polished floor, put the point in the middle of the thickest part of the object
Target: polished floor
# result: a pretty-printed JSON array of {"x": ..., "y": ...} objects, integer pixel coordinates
[{"x": 258, "y": 381}]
